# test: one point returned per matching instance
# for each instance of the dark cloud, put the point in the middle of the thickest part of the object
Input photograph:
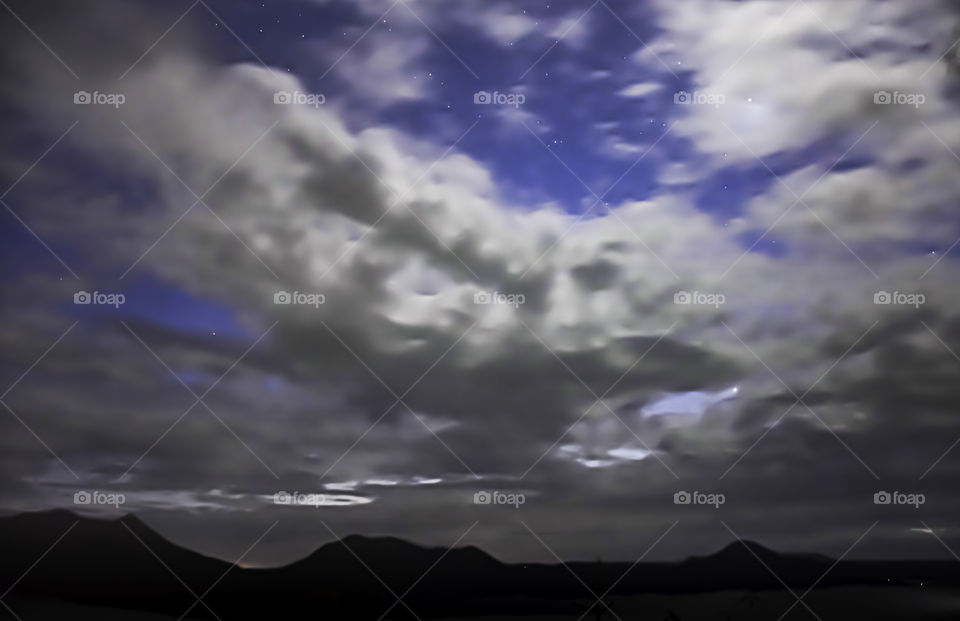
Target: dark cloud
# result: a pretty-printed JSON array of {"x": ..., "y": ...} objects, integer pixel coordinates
[{"x": 529, "y": 348}]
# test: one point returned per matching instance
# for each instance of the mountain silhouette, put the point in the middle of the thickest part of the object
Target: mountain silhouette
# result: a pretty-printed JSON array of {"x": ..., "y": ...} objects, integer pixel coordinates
[
  {"x": 123, "y": 563},
  {"x": 85, "y": 560}
]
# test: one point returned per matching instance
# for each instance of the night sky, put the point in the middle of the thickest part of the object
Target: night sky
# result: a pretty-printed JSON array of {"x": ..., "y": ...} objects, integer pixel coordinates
[{"x": 590, "y": 255}]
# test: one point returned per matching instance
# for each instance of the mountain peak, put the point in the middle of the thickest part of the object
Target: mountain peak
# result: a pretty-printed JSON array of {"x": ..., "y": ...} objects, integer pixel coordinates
[{"x": 746, "y": 549}]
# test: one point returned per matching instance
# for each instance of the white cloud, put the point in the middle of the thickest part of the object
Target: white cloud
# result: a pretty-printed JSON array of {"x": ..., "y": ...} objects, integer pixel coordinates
[
  {"x": 640, "y": 89},
  {"x": 792, "y": 78}
]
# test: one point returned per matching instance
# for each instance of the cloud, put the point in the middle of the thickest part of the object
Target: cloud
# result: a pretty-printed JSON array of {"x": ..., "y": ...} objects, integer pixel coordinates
[
  {"x": 404, "y": 374},
  {"x": 805, "y": 71},
  {"x": 640, "y": 89},
  {"x": 380, "y": 67}
]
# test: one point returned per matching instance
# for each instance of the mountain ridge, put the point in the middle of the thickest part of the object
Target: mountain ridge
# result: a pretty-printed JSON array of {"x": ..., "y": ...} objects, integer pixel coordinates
[{"x": 123, "y": 562}]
